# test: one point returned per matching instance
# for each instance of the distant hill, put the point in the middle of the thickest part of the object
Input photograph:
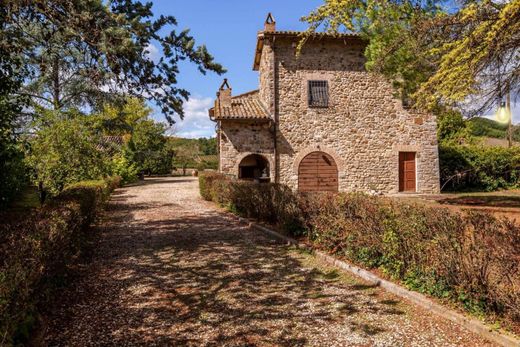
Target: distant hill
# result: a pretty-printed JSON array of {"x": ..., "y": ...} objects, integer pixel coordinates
[{"x": 484, "y": 127}]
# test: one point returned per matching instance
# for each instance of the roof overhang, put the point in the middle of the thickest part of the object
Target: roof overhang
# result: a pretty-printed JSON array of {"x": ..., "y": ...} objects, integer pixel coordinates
[{"x": 298, "y": 35}]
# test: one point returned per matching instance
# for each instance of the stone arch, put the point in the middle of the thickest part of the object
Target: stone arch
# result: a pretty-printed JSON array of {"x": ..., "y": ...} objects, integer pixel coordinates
[
  {"x": 318, "y": 148},
  {"x": 244, "y": 155}
]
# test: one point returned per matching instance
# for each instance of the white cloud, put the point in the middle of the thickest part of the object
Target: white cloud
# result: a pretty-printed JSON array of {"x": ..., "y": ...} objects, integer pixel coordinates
[
  {"x": 152, "y": 52},
  {"x": 196, "y": 122}
]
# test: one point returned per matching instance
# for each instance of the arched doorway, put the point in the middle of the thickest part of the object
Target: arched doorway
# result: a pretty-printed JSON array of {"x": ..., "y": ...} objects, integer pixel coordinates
[
  {"x": 318, "y": 172},
  {"x": 254, "y": 167}
]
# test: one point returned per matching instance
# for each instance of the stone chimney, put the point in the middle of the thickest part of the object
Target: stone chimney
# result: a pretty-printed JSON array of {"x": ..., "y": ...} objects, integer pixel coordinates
[
  {"x": 224, "y": 94},
  {"x": 270, "y": 23}
]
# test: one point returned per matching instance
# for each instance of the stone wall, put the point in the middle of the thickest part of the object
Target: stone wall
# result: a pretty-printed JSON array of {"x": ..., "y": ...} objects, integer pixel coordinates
[
  {"x": 238, "y": 139},
  {"x": 364, "y": 127}
]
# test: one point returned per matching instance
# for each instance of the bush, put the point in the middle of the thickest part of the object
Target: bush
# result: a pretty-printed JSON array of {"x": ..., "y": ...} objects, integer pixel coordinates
[
  {"x": 13, "y": 178},
  {"x": 124, "y": 168},
  {"x": 65, "y": 150},
  {"x": 475, "y": 167},
  {"x": 36, "y": 248},
  {"x": 470, "y": 258}
]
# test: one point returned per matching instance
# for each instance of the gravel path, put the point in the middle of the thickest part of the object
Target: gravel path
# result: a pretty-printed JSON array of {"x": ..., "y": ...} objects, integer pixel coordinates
[{"x": 169, "y": 269}]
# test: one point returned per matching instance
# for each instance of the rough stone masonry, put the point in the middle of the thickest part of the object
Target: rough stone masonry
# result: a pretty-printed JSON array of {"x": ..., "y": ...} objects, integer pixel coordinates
[{"x": 363, "y": 128}]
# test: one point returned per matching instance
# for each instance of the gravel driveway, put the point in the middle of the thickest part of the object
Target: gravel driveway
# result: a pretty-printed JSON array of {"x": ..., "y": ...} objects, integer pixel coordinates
[{"x": 170, "y": 269}]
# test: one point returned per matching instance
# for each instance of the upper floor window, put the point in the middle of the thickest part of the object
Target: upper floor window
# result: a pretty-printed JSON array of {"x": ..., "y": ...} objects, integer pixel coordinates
[{"x": 318, "y": 94}]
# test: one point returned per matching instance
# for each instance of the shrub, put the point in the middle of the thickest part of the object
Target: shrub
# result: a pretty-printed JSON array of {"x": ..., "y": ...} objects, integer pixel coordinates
[
  {"x": 124, "y": 168},
  {"x": 478, "y": 167},
  {"x": 64, "y": 151},
  {"x": 471, "y": 258},
  {"x": 207, "y": 182},
  {"x": 36, "y": 248}
]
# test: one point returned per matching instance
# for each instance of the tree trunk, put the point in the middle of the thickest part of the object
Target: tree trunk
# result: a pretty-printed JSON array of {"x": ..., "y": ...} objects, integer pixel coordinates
[{"x": 56, "y": 83}]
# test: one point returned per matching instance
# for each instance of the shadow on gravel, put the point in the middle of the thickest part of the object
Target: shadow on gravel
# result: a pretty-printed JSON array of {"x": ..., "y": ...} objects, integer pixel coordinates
[{"x": 201, "y": 279}]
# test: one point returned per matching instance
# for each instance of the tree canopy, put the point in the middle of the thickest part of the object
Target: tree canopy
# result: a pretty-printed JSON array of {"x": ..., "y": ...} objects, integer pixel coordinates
[
  {"x": 434, "y": 55},
  {"x": 82, "y": 53}
]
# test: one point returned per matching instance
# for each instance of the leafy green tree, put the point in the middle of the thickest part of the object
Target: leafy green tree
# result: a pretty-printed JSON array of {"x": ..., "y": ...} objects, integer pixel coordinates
[
  {"x": 208, "y": 146},
  {"x": 186, "y": 156},
  {"x": 451, "y": 126},
  {"x": 63, "y": 152},
  {"x": 12, "y": 171},
  {"x": 148, "y": 145},
  {"x": 389, "y": 26},
  {"x": 83, "y": 53},
  {"x": 434, "y": 57},
  {"x": 475, "y": 50},
  {"x": 120, "y": 119}
]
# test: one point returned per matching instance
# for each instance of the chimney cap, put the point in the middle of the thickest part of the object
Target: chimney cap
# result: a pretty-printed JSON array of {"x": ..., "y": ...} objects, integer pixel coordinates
[
  {"x": 270, "y": 23},
  {"x": 225, "y": 85}
]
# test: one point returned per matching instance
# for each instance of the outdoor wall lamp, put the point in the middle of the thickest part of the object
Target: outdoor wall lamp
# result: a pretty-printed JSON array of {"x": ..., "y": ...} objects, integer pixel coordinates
[{"x": 503, "y": 114}]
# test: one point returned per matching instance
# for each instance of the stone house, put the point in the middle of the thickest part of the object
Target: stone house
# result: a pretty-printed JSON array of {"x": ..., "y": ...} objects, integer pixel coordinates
[{"x": 320, "y": 122}]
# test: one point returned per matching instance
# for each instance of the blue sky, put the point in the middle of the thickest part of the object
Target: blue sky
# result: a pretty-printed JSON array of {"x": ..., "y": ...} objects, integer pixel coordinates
[{"x": 228, "y": 28}]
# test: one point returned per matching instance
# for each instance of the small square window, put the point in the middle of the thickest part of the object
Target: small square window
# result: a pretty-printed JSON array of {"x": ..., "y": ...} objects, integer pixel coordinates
[{"x": 318, "y": 94}]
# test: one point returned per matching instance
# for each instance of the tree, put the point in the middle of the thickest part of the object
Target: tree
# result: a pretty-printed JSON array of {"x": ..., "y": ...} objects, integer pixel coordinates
[
  {"x": 434, "y": 57},
  {"x": 83, "y": 53},
  {"x": 64, "y": 152},
  {"x": 476, "y": 50},
  {"x": 393, "y": 48},
  {"x": 12, "y": 175},
  {"x": 208, "y": 146},
  {"x": 120, "y": 119},
  {"x": 185, "y": 156},
  {"x": 148, "y": 145}
]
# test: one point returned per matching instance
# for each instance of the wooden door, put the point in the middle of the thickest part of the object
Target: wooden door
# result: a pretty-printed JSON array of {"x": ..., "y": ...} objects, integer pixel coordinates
[
  {"x": 407, "y": 172},
  {"x": 318, "y": 172}
]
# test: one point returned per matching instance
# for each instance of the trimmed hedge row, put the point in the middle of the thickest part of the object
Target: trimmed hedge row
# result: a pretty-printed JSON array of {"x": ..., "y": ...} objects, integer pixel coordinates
[
  {"x": 470, "y": 258},
  {"x": 35, "y": 249}
]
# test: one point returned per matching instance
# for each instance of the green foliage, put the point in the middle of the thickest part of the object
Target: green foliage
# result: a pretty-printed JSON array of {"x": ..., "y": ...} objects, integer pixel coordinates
[
  {"x": 119, "y": 119},
  {"x": 433, "y": 56},
  {"x": 468, "y": 258},
  {"x": 208, "y": 146},
  {"x": 451, "y": 126},
  {"x": 64, "y": 152},
  {"x": 83, "y": 53},
  {"x": 200, "y": 153},
  {"x": 477, "y": 167},
  {"x": 37, "y": 248},
  {"x": 13, "y": 177},
  {"x": 475, "y": 50},
  {"x": 486, "y": 127},
  {"x": 12, "y": 170},
  {"x": 148, "y": 145},
  {"x": 124, "y": 168}
]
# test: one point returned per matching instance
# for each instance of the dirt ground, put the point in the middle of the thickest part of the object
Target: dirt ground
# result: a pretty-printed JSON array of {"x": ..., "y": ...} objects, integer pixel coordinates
[{"x": 169, "y": 269}]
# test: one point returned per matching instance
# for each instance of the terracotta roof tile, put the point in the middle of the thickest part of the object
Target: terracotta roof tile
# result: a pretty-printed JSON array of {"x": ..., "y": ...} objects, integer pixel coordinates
[{"x": 244, "y": 106}]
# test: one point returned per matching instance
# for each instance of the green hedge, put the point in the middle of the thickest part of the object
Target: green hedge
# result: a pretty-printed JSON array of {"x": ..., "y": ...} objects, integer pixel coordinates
[
  {"x": 470, "y": 258},
  {"x": 478, "y": 167},
  {"x": 35, "y": 249}
]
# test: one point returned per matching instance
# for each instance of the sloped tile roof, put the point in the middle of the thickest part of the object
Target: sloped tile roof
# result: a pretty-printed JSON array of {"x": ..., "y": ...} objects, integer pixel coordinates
[{"x": 244, "y": 106}]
